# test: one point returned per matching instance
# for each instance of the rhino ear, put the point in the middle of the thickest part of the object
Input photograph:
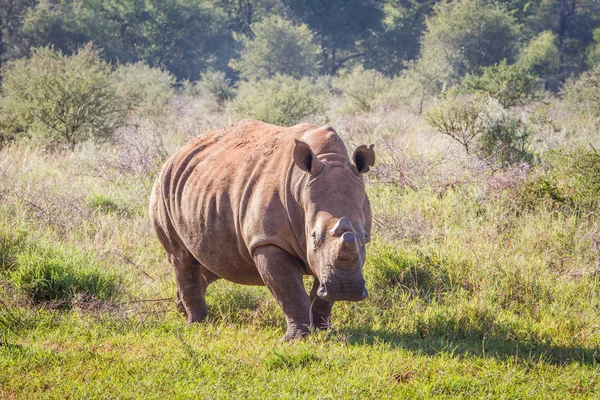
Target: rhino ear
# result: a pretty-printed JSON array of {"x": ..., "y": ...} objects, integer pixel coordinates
[
  {"x": 305, "y": 159},
  {"x": 364, "y": 158}
]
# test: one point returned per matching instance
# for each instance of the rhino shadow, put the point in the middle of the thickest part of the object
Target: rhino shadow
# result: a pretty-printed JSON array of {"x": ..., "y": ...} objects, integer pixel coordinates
[{"x": 475, "y": 344}]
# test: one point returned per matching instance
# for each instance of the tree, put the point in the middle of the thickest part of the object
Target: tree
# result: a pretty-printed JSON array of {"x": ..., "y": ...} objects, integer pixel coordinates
[
  {"x": 143, "y": 90},
  {"x": 511, "y": 84},
  {"x": 278, "y": 47},
  {"x": 340, "y": 26},
  {"x": 389, "y": 49},
  {"x": 66, "y": 99},
  {"x": 582, "y": 95},
  {"x": 281, "y": 100},
  {"x": 241, "y": 14},
  {"x": 362, "y": 89},
  {"x": 184, "y": 36},
  {"x": 593, "y": 54},
  {"x": 11, "y": 17},
  {"x": 465, "y": 35},
  {"x": 483, "y": 127},
  {"x": 540, "y": 56}
]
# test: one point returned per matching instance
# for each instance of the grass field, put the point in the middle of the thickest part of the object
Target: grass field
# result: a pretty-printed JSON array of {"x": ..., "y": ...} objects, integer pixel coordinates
[{"x": 483, "y": 284}]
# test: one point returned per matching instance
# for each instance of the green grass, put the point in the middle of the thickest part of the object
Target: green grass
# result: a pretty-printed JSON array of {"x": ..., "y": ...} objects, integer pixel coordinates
[
  {"x": 80, "y": 356},
  {"x": 474, "y": 293}
]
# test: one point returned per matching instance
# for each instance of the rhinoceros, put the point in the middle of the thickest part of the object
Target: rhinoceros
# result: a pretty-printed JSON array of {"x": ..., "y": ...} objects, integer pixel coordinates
[{"x": 259, "y": 204}]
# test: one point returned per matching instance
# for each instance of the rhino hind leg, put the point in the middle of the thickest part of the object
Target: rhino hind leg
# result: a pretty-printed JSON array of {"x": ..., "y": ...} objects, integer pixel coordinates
[
  {"x": 192, "y": 280},
  {"x": 320, "y": 310}
]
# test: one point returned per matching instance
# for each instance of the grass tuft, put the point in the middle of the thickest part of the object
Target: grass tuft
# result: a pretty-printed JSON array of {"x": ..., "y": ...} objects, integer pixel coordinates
[{"x": 290, "y": 360}]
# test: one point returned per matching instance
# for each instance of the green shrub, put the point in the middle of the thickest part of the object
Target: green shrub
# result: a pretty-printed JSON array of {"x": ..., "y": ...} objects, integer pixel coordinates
[
  {"x": 511, "y": 85},
  {"x": 593, "y": 55},
  {"x": 582, "y": 95},
  {"x": 483, "y": 127},
  {"x": 277, "y": 47},
  {"x": 64, "y": 99},
  {"x": 46, "y": 272},
  {"x": 362, "y": 89},
  {"x": 505, "y": 141},
  {"x": 59, "y": 275},
  {"x": 461, "y": 117},
  {"x": 12, "y": 242},
  {"x": 142, "y": 89},
  {"x": 422, "y": 275},
  {"x": 540, "y": 57},
  {"x": 108, "y": 205},
  {"x": 282, "y": 100},
  {"x": 571, "y": 181},
  {"x": 216, "y": 86}
]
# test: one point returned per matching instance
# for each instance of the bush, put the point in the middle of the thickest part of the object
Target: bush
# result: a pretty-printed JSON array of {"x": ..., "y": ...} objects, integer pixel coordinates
[
  {"x": 107, "y": 205},
  {"x": 511, "y": 85},
  {"x": 483, "y": 127},
  {"x": 505, "y": 141},
  {"x": 571, "y": 181},
  {"x": 462, "y": 117},
  {"x": 215, "y": 85},
  {"x": 583, "y": 95},
  {"x": 362, "y": 89},
  {"x": 59, "y": 276},
  {"x": 422, "y": 275},
  {"x": 593, "y": 55},
  {"x": 278, "y": 47},
  {"x": 282, "y": 100},
  {"x": 46, "y": 272},
  {"x": 64, "y": 99},
  {"x": 142, "y": 89},
  {"x": 540, "y": 57}
]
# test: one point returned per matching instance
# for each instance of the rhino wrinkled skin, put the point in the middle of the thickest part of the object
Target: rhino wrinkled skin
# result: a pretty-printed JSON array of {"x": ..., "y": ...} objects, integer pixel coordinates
[{"x": 259, "y": 204}]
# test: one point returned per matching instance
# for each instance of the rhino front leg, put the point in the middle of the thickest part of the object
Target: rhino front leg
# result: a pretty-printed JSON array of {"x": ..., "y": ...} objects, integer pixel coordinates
[
  {"x": 320, "y": 309},
  {"x": 282, "y": 274}
]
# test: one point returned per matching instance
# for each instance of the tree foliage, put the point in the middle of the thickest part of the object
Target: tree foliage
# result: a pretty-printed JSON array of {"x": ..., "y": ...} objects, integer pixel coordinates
[
  {"x": 465, "y": 35},
  {"x": 340, "y": 25},
  {"x": 277, "y": 47},
  {"x": 185, "y": 37},
  {"x": 540, "y": 57},
  {"x": 582, "y": 95},
  {"x": 593, "y": 55},
  {"x": 142, "y": 89},
  {"x": 65, "y": 99},
  {"x": 511, "y": 84},
  {"x": 281, "y": 100},
  {"x": 362, "y": 89},
  {"x": 483, "y": 127}
]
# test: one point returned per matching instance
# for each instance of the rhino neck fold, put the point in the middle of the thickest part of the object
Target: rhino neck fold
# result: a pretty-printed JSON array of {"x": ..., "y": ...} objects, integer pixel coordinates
[{"x": 295, "y": 182}]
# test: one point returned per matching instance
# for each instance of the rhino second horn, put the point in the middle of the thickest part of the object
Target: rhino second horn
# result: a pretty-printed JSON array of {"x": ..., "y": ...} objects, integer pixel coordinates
[
  {"x": 348, "y": 242},
  {"x": 343, "y": 225}
]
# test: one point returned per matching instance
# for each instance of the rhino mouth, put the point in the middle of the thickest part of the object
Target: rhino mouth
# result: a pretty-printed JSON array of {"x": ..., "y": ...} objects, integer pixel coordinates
[{"x": 330, "y": 290}]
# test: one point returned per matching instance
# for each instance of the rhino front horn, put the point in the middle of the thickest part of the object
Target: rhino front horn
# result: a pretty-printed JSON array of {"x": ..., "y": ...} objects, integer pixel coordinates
[{"x": 342, "y": 226}]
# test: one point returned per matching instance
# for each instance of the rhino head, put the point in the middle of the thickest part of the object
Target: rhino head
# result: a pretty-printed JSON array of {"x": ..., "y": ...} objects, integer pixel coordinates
[{"x": 337, "y": 218}]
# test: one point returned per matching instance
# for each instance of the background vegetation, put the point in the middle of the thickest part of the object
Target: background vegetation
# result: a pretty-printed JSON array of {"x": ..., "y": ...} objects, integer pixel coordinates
[{"x": 483, "y": 270}]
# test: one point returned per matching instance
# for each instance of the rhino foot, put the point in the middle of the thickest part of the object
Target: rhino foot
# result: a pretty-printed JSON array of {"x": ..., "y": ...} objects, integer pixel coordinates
[{"x": 294, "y": 334}]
